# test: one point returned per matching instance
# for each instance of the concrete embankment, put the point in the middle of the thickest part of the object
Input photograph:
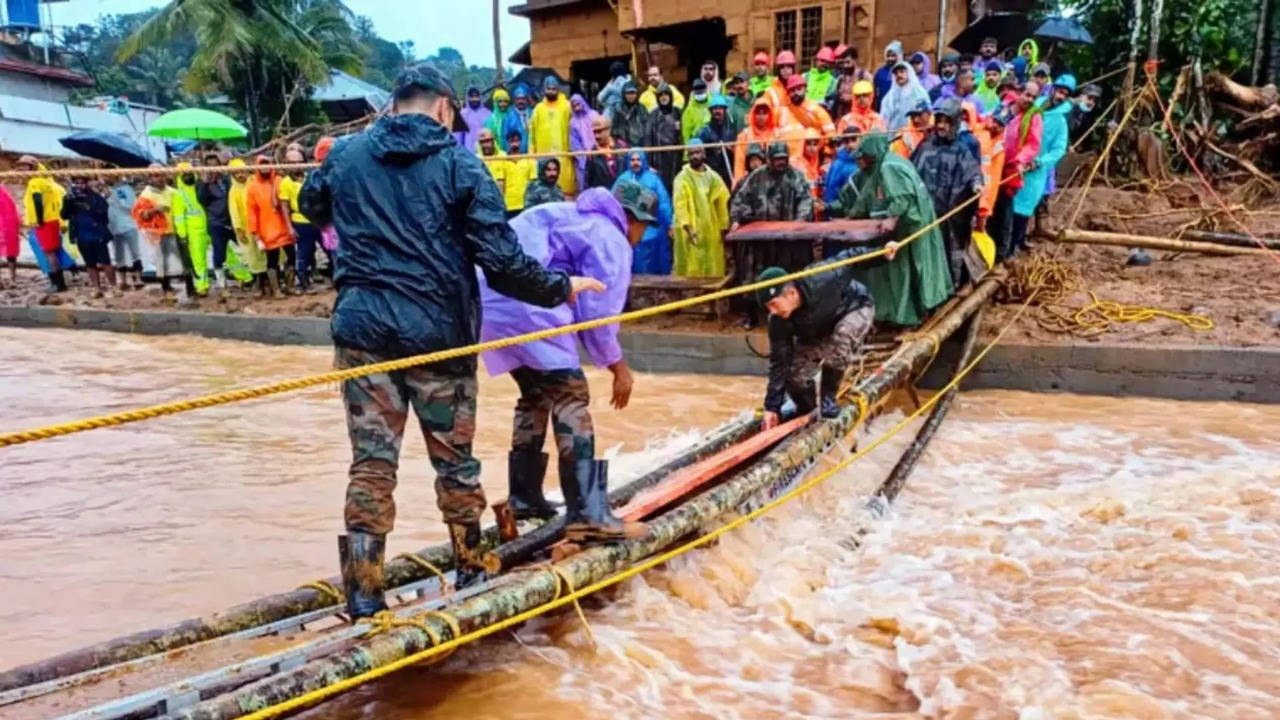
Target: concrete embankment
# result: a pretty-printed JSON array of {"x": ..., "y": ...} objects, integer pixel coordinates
[{"x": 1181, "y": 373}]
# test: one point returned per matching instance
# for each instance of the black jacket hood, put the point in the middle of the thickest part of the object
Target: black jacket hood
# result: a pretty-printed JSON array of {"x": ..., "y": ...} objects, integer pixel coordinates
[{"x": 403, "y": 139}]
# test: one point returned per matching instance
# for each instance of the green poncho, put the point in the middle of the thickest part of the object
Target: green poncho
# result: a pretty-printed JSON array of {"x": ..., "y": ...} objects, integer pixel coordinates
[
  {"x": 918, "y": 280},
  {"x": 695, "y": 117}
]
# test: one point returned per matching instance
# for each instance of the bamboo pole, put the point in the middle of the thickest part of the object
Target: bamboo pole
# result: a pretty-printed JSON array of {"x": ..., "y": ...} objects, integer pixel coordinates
[
  {"x": 1090, "y": 237},
  {"x": 527, "y": 590},
  {"x": 272, "y": 608},
  {"x": 1233, "y": 239}
]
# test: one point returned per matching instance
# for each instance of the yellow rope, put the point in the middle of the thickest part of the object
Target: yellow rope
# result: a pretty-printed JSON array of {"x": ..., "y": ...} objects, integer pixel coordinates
[
  {"x": 369, "y": 675},
  {"x": 563, "y": 580},
  {"x": 386, "y": 620},
  {"x": 172, "y": 408},
  {"x": 324, "y": 587},
  {"x": 445, "y": 587}
]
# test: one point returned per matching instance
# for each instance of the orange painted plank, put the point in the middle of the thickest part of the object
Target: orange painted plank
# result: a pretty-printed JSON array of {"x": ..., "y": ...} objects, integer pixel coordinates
[{"x": 688, "y": 479}]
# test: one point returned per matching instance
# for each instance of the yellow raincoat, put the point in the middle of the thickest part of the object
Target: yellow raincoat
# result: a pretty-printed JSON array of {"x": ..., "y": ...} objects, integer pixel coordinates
[
  {"x": 549, "y": 132},
  {"x": 192, "y": 226},
  {"x": 51, "y": 198},
  {"x": 702, "y": 202},
  {"x": 237, "y": 205}
]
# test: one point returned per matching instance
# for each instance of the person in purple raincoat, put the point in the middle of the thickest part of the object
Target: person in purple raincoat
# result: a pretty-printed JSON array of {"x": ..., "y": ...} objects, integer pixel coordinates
[
  {"x": 475, "y": 115},
  {"x": 592, "y": 235},
  {"x": 581, "y": 135}
]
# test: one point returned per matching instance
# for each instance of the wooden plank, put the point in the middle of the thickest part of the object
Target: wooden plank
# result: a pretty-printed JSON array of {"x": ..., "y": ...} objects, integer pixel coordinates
[
  {"x": 685, "y": 481},
  {"x": 675, "y": 282},
  {"x": 858, "y": 231}
]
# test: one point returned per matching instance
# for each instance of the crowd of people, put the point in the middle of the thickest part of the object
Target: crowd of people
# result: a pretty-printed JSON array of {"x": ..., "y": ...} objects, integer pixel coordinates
[{"x": 205, "y": 230}]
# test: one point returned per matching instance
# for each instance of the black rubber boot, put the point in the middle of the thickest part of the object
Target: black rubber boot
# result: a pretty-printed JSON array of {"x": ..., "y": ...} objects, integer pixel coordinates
[
  {"x": 468, "y": 566},
  {"x": 525, "y": 473},
  {"x": 803, "y": 397},
  {"x": 829, "y": 388},
  {"x": 588, "y": 517},
  {"x": 361, "y": 554}
]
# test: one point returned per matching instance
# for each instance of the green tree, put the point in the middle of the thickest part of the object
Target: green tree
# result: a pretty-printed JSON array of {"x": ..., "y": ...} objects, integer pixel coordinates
[{"x": 265, "y": 54}]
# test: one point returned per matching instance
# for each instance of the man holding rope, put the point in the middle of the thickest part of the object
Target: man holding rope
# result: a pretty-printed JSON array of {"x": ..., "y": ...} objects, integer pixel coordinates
[{"x": 416, "y": 214}]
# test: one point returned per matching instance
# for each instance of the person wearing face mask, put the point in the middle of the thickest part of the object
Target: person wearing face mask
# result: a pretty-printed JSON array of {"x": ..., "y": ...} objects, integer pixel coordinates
[
  {"x": 475, "y": 115},
  {"x": 948, "y": 70},
  {"x": 418, "y": 216},
  {"x": 191, "y": 225},
  {"x": 1081, "y": 115},
  {"x": 697, "y": 113},
  {"x": 498, "y": 118},
  {"x": 884, "y": 76},
  {"x": 710, "y": 75},
  {"x": 701, "y": 202},
  {"x": 268, "y": 225},
  {"x": 649, "y": 98},
  {"x": 549, "y": 131}
]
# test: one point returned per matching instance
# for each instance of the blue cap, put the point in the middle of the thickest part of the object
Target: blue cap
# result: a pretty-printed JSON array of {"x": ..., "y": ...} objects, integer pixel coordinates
[
  {"x": 1066, "y": 80},
  {"x": 693, "y": 142},
  {"x": 921, "y": 106},
  {"x": 551, "y": 82},
  {"x": 719, "y": 100},
  {"x": 428, "y": 77}
]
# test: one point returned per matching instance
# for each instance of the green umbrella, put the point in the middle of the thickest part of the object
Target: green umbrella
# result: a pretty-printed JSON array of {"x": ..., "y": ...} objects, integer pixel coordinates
[{"x": 196, "y": 124}]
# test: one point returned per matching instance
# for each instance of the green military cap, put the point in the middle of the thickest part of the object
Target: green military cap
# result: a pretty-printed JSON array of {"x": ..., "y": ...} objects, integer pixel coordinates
[
  {"x": 637, "y": 200},
  {"x": 777, "y": 148},
  {"x": 764, "y": 295}
]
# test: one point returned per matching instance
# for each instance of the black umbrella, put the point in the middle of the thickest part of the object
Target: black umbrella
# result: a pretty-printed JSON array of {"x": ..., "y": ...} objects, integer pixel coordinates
[
  {"x": 1008, "y": 29},
  {"x": 1067, "y": 30},
  {"x": 108, "y": 147}
]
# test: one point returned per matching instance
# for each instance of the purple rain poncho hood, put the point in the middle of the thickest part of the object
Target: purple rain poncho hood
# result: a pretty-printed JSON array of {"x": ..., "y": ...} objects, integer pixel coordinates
[{"x": 587, "y": 237}]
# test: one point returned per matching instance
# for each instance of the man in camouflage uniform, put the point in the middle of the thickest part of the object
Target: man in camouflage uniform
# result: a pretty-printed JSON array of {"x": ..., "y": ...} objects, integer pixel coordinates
[
  {"x": 773, "y": 191},
  {"x": 818, "y": 321},
  {"x": 416, "y": 214}
]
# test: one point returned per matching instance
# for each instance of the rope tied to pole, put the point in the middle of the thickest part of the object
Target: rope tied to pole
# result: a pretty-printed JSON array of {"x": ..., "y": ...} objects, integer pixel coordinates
[
  {"x": 326, "y": 588},
  {"x": 446, "y": 588}
]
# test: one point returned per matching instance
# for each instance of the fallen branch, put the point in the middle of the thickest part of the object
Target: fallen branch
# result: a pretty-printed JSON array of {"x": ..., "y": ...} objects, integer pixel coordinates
[
  {"x": 1253, "y": 169},
  {"x": 1092, "y": 237}
]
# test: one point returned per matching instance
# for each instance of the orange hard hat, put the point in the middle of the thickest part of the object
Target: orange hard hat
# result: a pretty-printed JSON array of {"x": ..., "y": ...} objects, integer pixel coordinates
[
  {"x": 796, "y": 81},
  {"x": 323, "y": 146},
  {"x": 826, "y": 54},
  {"x": 761, "y": 58},
  {"x": 786, "y": 57},
  {"x": 840, "y": 50}
]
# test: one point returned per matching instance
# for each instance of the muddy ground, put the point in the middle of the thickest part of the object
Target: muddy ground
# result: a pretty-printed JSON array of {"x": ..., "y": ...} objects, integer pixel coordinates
[{"x": 1240, "y": 295}]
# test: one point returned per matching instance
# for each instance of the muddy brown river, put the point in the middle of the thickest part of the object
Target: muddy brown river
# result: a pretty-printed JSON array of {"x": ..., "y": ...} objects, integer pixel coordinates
[{"x": 1052, "y": 557}]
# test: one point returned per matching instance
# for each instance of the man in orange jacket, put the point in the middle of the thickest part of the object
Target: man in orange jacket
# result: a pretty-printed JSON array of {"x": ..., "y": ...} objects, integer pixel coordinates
[
  {"x": 762, "y": 129},
  {"x": 268, "y": 224},
  {"x": 862, "y": 117}
]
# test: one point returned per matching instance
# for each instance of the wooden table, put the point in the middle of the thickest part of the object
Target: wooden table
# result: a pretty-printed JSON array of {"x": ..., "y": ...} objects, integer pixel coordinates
[{"x": 794, "y": 245}]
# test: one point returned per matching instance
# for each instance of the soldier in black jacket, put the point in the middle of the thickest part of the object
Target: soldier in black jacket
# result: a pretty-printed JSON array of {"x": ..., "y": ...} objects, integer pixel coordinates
[{"x": 816, "y": 321}]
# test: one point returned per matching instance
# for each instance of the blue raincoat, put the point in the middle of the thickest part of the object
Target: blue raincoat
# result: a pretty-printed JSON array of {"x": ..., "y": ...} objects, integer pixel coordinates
[
  {"x": 652, "y": 256},
  {"x": 517, "y": 119},
  {"x": 1053, "y": 146},
  {"x": 843, "y": 166}
]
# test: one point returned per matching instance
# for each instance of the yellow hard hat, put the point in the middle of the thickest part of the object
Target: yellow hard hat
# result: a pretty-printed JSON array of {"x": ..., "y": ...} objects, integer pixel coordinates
[
  {"x": 862, "y": 87},
  {"x": 236, "y": 162}
]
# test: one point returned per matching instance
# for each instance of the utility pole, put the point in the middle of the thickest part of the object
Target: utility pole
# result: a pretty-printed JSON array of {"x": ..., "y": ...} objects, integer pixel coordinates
[{"x": 497, "y": 45}]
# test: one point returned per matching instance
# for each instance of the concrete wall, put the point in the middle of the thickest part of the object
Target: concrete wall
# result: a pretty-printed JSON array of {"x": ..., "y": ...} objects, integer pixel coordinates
[
  {"x": 1181, "y": 373},
  {"x": 34, "y": 87}
]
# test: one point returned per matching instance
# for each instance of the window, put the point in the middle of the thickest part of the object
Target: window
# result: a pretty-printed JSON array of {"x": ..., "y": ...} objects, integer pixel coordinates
[
  {"x": 784, "y": 31},
  {"x": 810, "y": 35},
  {"x": 799, "y": 31}
]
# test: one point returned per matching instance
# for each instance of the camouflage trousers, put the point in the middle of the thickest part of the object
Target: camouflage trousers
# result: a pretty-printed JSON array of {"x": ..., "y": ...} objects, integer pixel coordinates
[
  {"x": 838, "y": 350},
  {"x": 558, "y": 396},
  {"x": 377, "y": 408}
]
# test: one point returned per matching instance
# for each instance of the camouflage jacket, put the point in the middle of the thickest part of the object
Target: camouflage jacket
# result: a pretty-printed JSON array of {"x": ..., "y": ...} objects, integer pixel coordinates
[{"x": 769, "y": 195}]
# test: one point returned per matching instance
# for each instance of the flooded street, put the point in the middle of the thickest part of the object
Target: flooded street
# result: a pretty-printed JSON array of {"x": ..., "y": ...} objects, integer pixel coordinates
[{"x": 1052, "y": 557}]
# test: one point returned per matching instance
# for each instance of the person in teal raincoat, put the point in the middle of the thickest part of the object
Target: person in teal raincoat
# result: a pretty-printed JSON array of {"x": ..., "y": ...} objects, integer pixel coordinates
[
  {"x": 918, "y": 280},
  {"x": 652, "y": 256},
  {"x": 1053, "y": 146}
]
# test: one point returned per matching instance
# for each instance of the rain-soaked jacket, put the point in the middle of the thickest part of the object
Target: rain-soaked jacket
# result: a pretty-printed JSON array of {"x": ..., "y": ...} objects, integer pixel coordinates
[
  {"x": 770, "y": 195},
  {"x": 584, "y": 238},
  {"x": 664, "y": 130},
  {"x": 918, "y": 279},
  {"x": 541, "y": 191},
  {"x": 843, "y": 166},
  {"x": 630, "y": 123},
  {"x": 952, "y": 176},
  {"x": 416, "y": 214},
  {"x": 1053, "y": 146},
  {"x": 652, "y": 256}
]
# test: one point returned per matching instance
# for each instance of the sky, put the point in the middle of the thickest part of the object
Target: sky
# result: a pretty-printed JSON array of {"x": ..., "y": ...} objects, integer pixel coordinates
[{"x": 430, "y": 24}]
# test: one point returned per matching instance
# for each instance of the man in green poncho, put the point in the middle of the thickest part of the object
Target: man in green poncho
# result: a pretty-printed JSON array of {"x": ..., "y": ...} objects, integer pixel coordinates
[
  {"x": 498, "y": 118},
  {"x": 918, "y": 280}
]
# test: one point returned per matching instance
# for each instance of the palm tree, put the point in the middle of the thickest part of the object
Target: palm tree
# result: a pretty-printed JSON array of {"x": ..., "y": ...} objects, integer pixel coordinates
[{"x": 252, "y": 41}]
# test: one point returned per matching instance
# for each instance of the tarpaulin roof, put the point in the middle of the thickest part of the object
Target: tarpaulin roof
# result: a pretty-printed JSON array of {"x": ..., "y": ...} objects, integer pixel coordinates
[{"x": 347, "y": 98}]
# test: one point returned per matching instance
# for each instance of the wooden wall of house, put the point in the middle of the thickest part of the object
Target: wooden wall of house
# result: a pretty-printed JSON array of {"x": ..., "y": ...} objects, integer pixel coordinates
[{"x": 578, "y": 33}]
